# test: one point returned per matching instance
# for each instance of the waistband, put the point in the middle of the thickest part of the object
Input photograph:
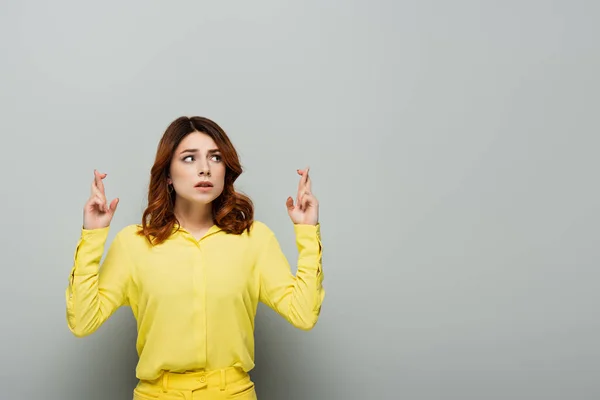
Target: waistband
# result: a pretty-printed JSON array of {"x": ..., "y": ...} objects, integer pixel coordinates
[{"x": 196, "y": 380}]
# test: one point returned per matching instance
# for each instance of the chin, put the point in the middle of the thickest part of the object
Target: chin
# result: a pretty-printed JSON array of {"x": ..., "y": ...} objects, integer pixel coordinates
[
  {"x": 203, "y": 199},
  {"x": 206, "y": 198},
  {"x": 194, "y": 198}
]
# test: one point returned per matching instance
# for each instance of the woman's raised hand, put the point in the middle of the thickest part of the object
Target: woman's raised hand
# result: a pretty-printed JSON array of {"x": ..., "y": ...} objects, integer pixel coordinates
[
  {"x": 306, "y": 209},
  {"x": 96, "y": 212}
]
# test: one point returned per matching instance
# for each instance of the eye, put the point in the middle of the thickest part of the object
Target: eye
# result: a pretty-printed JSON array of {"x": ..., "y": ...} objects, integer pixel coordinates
[
  {"x": 186, "y": 157},
  {"x": 217, "y": 157}
]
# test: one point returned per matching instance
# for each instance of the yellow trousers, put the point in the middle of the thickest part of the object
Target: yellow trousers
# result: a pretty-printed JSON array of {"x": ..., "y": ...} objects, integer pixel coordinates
[{"x": 224, "y": 384}]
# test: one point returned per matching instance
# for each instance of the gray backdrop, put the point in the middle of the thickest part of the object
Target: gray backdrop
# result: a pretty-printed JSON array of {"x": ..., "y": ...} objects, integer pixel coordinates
[{"x": 453, "y": 147}]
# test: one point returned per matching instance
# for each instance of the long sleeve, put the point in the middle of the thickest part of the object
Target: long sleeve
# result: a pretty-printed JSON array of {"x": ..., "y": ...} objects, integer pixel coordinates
[
  {"x": 96, "y": 291},
  {"x": 296, "y": 298}
]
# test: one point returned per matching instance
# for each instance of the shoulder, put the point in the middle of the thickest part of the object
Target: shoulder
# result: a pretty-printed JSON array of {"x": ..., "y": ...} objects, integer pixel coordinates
[
  {"x": 129, "y": 230},
  {"x": 259, "y": 230},
  {"x": 129, "y": 233}
]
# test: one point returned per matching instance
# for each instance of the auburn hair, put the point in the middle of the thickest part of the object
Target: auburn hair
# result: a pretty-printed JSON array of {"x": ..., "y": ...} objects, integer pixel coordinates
[{"x": 233, "y": 212}]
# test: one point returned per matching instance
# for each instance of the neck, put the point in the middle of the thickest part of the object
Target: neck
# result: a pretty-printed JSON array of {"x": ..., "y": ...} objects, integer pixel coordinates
[{"x": 193, "y": 216}]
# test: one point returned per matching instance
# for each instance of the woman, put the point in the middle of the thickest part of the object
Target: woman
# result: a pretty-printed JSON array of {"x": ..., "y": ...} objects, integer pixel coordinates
[{"x": 194, "y": 270}]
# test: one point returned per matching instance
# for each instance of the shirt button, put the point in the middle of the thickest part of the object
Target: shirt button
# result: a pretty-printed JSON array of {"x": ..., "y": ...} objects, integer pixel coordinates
[{"x": 202, "y": 379}]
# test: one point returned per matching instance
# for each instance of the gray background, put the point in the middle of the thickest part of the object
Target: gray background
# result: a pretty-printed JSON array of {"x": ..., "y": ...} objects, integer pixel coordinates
[{"x": 453, "y": 147}]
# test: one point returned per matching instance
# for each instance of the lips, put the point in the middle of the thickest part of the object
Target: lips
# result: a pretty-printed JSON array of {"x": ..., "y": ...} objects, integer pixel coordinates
[{"x": 204, "y": 184}]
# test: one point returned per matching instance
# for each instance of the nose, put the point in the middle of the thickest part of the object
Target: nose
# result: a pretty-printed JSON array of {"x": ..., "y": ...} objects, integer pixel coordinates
[{"x": 204, "y": 170}]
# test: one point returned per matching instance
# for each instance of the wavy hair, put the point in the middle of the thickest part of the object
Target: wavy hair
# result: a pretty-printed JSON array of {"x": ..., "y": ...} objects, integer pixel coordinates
[{"x": 233, "y": 212}]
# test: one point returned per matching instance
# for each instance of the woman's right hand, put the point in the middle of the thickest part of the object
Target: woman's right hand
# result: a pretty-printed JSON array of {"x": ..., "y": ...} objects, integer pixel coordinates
[{"x": 96, "y": 212}]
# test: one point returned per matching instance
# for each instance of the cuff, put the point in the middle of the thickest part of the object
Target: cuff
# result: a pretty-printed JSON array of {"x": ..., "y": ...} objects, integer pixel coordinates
[
  {"x": 89, "y": 250},
  {"x": 310, "y": 248},
  {"x": 92, "y": 233},
  {"x": 307, "y": 230}
]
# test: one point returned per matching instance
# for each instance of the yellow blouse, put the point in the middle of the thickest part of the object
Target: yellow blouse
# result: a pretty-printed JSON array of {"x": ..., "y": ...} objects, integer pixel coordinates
[{"x": 194, "y": 300}]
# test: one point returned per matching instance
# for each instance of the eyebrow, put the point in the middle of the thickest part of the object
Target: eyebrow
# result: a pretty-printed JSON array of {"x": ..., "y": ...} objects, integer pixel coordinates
[{"x": 211, "y": 151}]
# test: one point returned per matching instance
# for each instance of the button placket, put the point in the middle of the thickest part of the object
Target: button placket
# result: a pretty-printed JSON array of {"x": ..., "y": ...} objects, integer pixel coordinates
[{"x": 200, "y": 304}]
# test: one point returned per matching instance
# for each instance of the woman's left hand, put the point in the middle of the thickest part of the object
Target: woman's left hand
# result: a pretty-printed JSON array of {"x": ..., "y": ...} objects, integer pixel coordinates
[{"x": 306, "y": 209}]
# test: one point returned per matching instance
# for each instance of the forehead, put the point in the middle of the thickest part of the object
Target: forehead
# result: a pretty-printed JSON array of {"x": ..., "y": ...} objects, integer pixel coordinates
[{"x": 197, "y": 140}]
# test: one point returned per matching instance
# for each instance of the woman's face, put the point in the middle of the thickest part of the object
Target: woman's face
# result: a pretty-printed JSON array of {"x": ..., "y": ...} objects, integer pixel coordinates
[{"x": 197, "y": 172}]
